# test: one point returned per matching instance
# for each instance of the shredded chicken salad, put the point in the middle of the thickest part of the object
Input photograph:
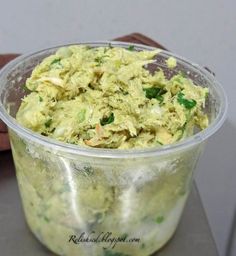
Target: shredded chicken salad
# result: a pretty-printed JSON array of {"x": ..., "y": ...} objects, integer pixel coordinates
[{"x": 105, "y": 97}]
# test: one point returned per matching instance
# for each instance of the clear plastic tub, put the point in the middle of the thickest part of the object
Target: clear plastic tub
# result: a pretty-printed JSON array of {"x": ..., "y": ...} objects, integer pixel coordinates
[{"x": 136, "y": 195}]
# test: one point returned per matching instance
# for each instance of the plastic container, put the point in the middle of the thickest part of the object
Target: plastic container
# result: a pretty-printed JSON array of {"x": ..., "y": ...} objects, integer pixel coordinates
[{"x": 127, "y": 202}]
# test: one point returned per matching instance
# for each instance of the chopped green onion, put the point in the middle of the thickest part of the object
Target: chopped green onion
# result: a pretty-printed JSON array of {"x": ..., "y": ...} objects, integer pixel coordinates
[
  {"x": 182, "y": 74},
  {"x": 187, "y": 103},
  {"x": 100, "y": 59},
  {"x": 154, "y": 92},
  {"x": 182, "y": 129},
  {"x": 46, "y": 218},
  {"x": 130, "y": 48},
  {"x": 81, "y": 115},
  {"x": 107, "y": 120},
  {"x": 159, "y": 219},
  {"x": 26, "y": 89},
  {"x": 142, "y": 245},
  {"x": 48, "y": 123},
  {"x": 88, "y": 171},
  {"x": 56, "y": 61},
  {"x": 124, "y": 236},
  {"x": 160, "y": 98}
]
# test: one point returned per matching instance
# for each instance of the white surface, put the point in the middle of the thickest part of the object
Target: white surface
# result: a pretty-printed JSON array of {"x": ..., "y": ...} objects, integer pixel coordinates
[{"x": 203, "y": 31}]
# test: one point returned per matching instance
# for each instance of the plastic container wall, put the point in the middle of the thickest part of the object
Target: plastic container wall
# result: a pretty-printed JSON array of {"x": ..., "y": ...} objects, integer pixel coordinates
[{"x": 137, "y": 196}]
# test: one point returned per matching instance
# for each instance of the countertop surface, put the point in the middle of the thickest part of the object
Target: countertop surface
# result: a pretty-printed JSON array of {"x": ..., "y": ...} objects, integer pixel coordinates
[{"x": 193, "y": 236}]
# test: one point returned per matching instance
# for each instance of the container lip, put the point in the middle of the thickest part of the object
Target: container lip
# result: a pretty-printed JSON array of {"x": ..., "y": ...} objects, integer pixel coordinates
[{"x": 117, "y": 153}]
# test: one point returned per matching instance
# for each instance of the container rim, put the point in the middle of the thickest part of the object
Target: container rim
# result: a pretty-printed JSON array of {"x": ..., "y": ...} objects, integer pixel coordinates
[{"x": 117, "y": 153}]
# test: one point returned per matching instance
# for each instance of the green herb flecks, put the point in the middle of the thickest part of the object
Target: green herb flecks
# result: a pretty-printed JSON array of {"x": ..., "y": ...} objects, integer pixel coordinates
[
  {"x": 130, "y": 48},
  {"x": 160, "y": 98},
  {"x": 155, "y": 93},
  {"x": 183, "y": 127},
  {"x": 159, "y": 219},
  {"x": 46, "y": 218},
  {"x": 187, "y": 103},
  {"x": 106, "y": 49},
  {"x": 100, "y": 60},
  {"x": 81, "y": 115},
  {"x": 88, "y": 171},
  {"x": 181, "y": 131},
  {"x": 182, "y": 74},
  {"x": 40, "y": 99},
  {"x": 142, "y": 246},
  {"x": 98, "y": 217},
  {"x": 107, "y": 120},
  {"x": 48, "y": 123},
  {"x": 26, "y": 89},
  {"x": 124, "y": 236},
  {"x": 182, "y": 192},
  {"x": 56, "y": 61}
]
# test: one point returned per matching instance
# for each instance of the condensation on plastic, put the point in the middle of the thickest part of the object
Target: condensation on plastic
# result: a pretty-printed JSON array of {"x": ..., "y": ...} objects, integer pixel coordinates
[{"x": 67, "y": 190}]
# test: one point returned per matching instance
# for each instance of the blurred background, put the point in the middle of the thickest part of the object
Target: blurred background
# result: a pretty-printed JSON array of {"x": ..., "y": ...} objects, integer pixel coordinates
[{"x": 203, "y": 31}]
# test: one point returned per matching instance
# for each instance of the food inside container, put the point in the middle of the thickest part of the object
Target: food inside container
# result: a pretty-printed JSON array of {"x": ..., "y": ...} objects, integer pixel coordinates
[
  {"x": 105, "y": 140},
  {"x": 106, "y": 97}
]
